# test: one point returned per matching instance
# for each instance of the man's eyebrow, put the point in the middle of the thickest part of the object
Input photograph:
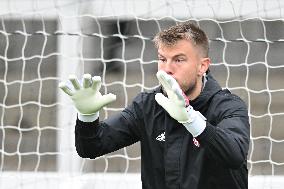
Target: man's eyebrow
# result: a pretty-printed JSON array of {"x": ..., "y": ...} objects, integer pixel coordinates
[
  {"x": 160, "y": 55},
  {"x": 177, "y": 55},
  {"x": 181, "y": 54}
]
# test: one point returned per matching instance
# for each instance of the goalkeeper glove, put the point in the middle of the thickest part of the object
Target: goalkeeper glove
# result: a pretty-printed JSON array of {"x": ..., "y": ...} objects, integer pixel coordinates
[
  {"x": 87, "y": 98},
  {"x": 175, "y": 105}
]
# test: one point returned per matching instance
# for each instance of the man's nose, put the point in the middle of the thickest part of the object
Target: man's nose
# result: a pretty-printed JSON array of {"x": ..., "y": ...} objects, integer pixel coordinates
[{"x": 168, "y": 68}]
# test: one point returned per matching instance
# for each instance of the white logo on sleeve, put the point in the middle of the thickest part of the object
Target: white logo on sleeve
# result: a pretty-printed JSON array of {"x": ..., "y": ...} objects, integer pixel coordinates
[{"x": 161, "y": 137}]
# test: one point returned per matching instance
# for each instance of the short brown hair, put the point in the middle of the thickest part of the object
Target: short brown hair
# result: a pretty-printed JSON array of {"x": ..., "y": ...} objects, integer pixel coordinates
[{"x": 185, "y": 30}]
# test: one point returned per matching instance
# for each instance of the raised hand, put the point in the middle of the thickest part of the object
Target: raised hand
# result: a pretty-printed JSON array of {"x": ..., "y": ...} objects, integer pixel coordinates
[
  {"x": 175, "y": 105},
  {"x": 86, "y": 97}
]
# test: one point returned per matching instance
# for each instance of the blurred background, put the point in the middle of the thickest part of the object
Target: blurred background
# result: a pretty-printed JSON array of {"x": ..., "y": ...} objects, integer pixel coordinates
[{"x": 41, "y": 43}]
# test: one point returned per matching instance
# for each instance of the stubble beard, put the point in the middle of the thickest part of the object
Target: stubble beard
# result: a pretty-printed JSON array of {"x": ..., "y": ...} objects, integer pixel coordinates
[{"x": 192, "y": 86}]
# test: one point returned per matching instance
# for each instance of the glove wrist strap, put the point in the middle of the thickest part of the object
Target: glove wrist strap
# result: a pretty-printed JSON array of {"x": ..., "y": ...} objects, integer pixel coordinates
[
  {"x": 196, "y": 123},
  {"x": 88, "y": 118}
]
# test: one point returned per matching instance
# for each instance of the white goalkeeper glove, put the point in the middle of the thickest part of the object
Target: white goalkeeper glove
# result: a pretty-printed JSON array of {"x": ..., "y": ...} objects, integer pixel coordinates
[
  {"x": 175, "y": 105},
  {"x": 87, "y": 98}
]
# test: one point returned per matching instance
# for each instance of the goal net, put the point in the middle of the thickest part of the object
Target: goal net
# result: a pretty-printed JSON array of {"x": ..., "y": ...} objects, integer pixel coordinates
[{"x": 42, "y": 42}]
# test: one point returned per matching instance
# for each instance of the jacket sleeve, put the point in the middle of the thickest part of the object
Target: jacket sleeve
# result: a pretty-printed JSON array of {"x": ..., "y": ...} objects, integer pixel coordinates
[
  {"x": 227, "y": 133},
  {"x": 93, "y": 139}
]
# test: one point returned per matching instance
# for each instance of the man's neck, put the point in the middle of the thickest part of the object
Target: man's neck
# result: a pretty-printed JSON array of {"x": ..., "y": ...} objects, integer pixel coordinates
[{"x": 199, "y": 87}]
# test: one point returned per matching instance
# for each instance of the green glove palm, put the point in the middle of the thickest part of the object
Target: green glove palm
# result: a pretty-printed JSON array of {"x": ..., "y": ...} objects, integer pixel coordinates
[
  {"x": 175, "y": 104},
  {"x": 87, "y": 98}
]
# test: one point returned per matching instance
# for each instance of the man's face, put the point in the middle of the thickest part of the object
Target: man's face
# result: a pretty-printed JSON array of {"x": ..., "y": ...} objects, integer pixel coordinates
[{"x": 183, "y": 62}]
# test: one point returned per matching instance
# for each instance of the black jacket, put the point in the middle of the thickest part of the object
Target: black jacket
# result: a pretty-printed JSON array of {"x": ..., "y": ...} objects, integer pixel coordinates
[{"x": 169, "y": 157}]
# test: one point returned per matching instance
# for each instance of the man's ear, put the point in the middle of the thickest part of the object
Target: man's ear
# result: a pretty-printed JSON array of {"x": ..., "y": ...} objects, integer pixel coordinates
[{"x": 204, "y": 65}]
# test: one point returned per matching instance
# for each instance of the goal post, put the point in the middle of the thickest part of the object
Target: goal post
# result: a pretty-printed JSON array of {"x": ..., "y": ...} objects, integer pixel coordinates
[{"x": 42, "y": 42}]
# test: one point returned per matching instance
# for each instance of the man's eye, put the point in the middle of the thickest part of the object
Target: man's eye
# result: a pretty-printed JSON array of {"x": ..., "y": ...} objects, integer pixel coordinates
[
  {"x": 179, "y": 60},
  {"x": 162, "y": 60}
]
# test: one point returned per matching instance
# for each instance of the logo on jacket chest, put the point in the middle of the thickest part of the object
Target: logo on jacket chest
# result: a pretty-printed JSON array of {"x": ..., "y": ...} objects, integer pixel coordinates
[{"x": 161, "y": 137}]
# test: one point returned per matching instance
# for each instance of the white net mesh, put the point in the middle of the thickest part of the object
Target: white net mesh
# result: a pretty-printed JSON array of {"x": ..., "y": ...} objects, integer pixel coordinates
[{"x": 42, "y": 42}]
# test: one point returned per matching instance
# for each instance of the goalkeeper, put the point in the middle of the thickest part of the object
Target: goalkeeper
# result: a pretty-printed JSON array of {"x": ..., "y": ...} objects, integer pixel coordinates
[{"x": 193, "y": 133}]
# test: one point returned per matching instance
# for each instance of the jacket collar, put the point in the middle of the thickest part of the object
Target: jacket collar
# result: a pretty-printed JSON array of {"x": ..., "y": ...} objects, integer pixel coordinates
[{"x": 210, "y": 89}]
